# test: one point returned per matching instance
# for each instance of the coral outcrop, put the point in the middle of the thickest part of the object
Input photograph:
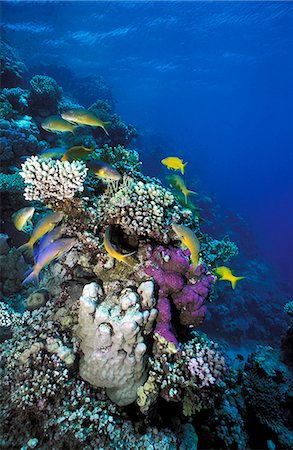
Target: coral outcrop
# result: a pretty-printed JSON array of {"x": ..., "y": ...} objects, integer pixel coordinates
[{"x": 112, "y": 333}]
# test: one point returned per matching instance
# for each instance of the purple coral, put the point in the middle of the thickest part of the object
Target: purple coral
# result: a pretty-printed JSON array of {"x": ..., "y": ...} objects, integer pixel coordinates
[{"x": 186, "y": 286}]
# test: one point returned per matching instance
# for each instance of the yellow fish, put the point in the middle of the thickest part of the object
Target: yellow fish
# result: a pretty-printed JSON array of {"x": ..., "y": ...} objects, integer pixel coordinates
[
  {"x": 77, "y": 153},
  {"x": 102, "y": 170},
  {"x": 84, "y": 117},
  {"x": 178, "y": 183},
  {"x": 172, "y": 162},
  {"x": 56, "y": 124},
  {"x": 22, "y": 217},
  {"x": 112, "y": 251},
  {"x": 226, "y": 274},
  {"x": 43, "y": 227},
  {"x": 188, "y": 239},
  {"x": 53, "y": 251}
]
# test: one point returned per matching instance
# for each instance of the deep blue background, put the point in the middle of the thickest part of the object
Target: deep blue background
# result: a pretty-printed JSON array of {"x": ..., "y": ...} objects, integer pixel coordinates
[{"x": 211, "y": 80}]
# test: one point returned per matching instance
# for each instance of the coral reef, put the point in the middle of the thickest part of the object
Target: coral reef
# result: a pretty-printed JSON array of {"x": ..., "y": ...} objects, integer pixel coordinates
[
  {"x": 12, "y": 69},
  {"x": 12, "y": 268},
  {"x": 106, "y": 351}
]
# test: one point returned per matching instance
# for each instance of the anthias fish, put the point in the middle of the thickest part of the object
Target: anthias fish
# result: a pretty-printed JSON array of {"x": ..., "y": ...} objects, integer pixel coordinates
[
  {"x": 109, "y": 247},
  {"x": 178, "y": 183},
  {"x": 84, "y": 117},
  {"x": 77, "y": 153},
  {"x": 22, "y": 217},
  {"x": 51, "y": 252},
  {"x": 56, "y": 124},
  {"x": 174, "y": 163},
  {"x": 226, "y": 274},
  {"x": 102, "y": 170},
  {"x": 188, "y": 239},
  {"x": 43, "y": 227}
]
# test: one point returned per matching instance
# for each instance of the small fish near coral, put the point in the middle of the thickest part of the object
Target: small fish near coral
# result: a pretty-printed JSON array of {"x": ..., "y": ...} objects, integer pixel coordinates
[
  {"x": 43, "y": 227},
  {"x": 78, "y": 153},
  {"x": 46, "y": 240},
  {"x": 174, "y": 163},
  {"x": 53, "y": 251},
  {"x": 23, "y": 217},
  {"x": 188, "y": 239},
  {"x": 56, "y": 124},
  {"x": 52, "y": 153},
  {"x": 111, "y": 250},
  {"x": 102, "y": 170},
  {"x": 226, "y": 274},
  {"x": 178, "y": 183},
  {"x": 84, "y": 117}
]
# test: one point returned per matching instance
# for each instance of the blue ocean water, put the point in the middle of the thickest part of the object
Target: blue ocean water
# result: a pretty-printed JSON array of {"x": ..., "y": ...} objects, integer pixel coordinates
[{"x": 210, "y": 82}]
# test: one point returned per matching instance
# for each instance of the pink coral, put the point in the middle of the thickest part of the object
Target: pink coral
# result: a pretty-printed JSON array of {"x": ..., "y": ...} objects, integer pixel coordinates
[{"x": 208, "y": 366}]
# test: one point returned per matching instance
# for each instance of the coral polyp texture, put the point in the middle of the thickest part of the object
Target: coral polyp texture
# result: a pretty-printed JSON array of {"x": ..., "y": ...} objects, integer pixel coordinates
[
  {"x": 52, "y": 179},
  {"x": 109, "y": 351}
]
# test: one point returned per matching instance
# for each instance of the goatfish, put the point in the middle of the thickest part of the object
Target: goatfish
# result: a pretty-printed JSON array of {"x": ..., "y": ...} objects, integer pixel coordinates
[
  {"x": 188, "y": 239},
  {"x": 226, "y": 274},
  {"x": 57, "y": 124},
  {"x": 102, "y": 169},
  {"x": 84, "y": 117},
  {"x": 22, "y": 217},
  {"x": 54, "y": 251},
  {"x": 48, "y": 239},
  {"x": 174, "y": 163},
  {"x": 54, "y": 153},
  {"x": 77, "y": 153},
  {"x": 178, "y": 183},
  {"x": 109, "y": 247},
  {"x": 43, "y": 227}
]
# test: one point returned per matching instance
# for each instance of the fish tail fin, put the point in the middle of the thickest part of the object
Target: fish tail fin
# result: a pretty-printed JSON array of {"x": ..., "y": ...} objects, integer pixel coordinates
[
  {"x": 124, "y": 258},
  {"x": 187, "y": 193},
  {"x": 105, "y": 125},
  {"x": 27, "y": 249},
  {"x": 183, "y": 168},
  {"x": 234, "y": 281},
  {"x": 32, "y": 276}
]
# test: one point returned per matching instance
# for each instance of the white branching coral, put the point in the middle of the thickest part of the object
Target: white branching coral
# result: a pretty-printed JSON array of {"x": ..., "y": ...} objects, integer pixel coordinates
[{"x": 52, "y": 179}]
